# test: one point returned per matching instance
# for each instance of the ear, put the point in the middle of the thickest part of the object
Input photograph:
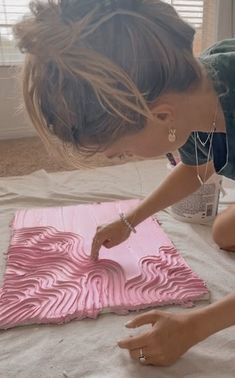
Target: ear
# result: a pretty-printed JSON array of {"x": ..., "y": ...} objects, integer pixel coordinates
[{"x": 164, "y": 113}]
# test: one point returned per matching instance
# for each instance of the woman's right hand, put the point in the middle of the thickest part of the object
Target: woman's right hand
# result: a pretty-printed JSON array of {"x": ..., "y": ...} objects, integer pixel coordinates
[{"x": 109, "y": 236}]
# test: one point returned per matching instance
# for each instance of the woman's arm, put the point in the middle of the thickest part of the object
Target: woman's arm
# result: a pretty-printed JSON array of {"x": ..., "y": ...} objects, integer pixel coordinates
[
  {"x": 215, "y": 317},
  {"x": 180, "y": 183},
  {"x": 172, "y": 335}
]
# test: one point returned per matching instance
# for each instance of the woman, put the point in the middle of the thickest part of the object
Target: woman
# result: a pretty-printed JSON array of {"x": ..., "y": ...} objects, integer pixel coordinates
[{"x": 119, "y": 77}]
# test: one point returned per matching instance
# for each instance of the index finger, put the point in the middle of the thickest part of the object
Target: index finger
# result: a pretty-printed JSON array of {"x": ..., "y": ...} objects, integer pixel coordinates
[
  {"x": 134, "y": 342},
  {"x": 95, "y": 248}
]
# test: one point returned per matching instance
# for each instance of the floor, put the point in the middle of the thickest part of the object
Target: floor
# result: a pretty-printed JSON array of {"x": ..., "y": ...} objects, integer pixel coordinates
[{"x": 24, "y": 156}]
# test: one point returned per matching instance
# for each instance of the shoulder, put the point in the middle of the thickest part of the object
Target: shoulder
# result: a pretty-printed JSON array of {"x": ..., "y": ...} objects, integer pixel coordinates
[
  {"x": 219, "y": 61},
  {"x": 225, "y": 46},
  {"x": 221, "y": 57}
]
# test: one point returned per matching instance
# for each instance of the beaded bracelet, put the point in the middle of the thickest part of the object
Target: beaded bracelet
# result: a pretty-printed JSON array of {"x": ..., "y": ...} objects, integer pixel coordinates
[{"x": 123, "y": 218}]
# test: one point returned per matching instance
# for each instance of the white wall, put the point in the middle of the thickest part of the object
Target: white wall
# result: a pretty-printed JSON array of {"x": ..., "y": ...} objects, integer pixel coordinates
[
  {"x": 226, "y": 19},
  {"x": 13, "y": 124}
]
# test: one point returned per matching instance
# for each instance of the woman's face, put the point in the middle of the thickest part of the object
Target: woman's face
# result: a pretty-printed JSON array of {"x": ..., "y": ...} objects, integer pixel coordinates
[{"x": 182, "y": 112}]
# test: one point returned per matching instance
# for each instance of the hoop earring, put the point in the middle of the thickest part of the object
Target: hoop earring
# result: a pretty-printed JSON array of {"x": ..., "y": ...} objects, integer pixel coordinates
[{"x": 172, "y": 135}]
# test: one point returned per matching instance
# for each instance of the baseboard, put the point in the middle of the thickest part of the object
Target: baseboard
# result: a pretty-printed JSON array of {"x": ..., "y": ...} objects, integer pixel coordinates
[{"x": 16, "y": 132}]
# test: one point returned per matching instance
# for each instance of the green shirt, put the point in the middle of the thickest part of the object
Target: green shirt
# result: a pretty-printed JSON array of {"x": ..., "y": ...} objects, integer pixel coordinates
[{"x": 219, "y": 61}]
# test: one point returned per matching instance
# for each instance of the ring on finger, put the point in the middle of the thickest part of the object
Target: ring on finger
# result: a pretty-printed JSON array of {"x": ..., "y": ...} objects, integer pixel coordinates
[
  {"x": 142, "y": 357},
  {"x": 138, "y": 354}
]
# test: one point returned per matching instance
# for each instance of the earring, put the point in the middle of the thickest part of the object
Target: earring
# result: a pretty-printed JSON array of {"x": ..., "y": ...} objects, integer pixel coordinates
[{"x": 172, "y": 136}]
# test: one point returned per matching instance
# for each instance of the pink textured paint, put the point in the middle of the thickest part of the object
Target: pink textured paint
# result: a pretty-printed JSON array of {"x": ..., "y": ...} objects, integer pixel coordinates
[{"x": 50, "y": 277}]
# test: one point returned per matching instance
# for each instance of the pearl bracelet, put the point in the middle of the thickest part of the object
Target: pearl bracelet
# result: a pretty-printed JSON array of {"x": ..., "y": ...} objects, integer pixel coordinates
[{"x": 123, "y": 218}]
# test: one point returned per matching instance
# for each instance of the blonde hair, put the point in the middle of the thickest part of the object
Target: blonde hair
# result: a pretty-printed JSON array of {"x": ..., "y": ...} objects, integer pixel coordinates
[{"x": 91, "y": 70}]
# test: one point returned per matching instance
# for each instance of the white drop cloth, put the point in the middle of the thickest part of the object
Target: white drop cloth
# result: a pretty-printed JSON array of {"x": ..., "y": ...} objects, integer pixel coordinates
[{"x": 88, "y": 348}]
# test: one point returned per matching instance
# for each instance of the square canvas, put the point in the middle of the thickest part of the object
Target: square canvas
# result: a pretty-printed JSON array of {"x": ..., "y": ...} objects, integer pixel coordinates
[{"x": 50, "y": 277}]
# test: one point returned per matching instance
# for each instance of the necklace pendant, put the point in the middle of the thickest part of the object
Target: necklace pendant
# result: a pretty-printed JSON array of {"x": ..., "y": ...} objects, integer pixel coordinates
[
  {"x": 203, "y": 143},
  {"x": 200, "y": 179}
]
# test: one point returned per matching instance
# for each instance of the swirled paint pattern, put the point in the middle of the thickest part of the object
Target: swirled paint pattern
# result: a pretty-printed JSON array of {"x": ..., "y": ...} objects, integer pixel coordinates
[{"x": 50, "y": 277}]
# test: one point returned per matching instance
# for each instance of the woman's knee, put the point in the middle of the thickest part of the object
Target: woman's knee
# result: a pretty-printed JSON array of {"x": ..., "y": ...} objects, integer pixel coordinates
[
  {"x": 223, "y": 229},
  {"x": 217, "y": 231}
]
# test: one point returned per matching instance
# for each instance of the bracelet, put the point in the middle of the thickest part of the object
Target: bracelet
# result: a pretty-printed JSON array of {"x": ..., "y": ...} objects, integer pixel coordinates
[{"x": 123, "y": 218}]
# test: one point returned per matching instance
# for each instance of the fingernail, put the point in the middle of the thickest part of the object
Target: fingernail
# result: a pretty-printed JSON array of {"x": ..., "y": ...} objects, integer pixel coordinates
[{"x": 127, "y": 324}]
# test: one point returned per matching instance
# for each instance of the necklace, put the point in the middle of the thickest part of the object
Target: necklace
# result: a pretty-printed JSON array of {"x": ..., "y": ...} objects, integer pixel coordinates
[
  {"x": 209, "y": 135},
  {"x": 209, "y": 138}
]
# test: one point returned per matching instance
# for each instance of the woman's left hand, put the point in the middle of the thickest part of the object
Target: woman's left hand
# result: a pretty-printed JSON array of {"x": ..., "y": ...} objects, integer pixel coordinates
[{"x": 170, "y": 336}]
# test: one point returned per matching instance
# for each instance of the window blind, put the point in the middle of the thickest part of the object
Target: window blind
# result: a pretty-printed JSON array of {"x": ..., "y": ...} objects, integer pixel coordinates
[
  {"x": 190, "y": 10},
  {"x": 12, "y": 10}
]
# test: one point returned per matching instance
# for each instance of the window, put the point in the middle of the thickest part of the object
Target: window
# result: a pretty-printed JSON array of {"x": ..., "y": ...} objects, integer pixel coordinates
[
  {"x": 192, "y": 11},
  {"x": 12, "y": 10}
]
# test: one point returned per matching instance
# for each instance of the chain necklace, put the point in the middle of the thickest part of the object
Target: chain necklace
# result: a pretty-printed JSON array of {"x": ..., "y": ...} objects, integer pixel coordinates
[{"x": 209, "y": 138}]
